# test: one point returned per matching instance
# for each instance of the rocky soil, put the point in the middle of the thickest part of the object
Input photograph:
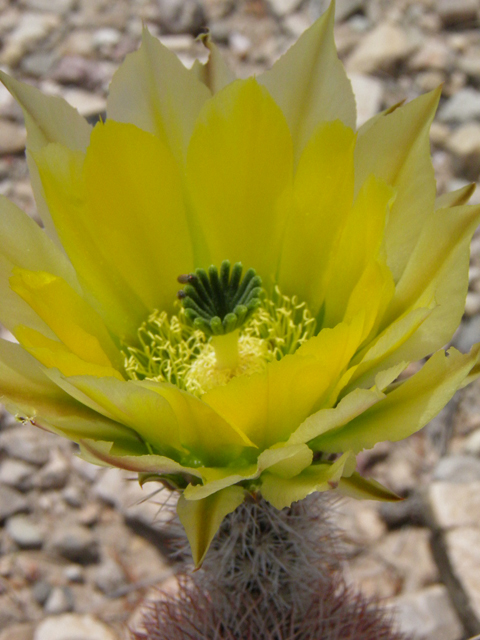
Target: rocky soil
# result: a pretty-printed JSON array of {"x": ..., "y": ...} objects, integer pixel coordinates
[{"x": 79, "y": 545}]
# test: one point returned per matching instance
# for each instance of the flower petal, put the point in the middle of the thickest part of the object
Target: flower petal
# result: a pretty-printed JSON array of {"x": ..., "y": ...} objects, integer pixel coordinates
[
  {"x": 120, "y": 206},
  {"x": 24, "y": 244},
  {"x": 281, "y": 492},
  {"x": 309, "y": 82},
  {"x": 72, "y": 320},
  {"x": 356, "y": 486},
  {"x": 239, "y": 169},
  {"x": 358, "y": 248},
  {"x": 396, "y": 148},
  {"x": 101, "y": 452},
  {"x": 455, "y": 198},
  {"x": 268, "y": 406},
  {"x": 436, "y": 276},
  {"x": 153, "y": 90},
  {"x": 55, "y": 354},
  {"x": 202, "y": 518},
  {"x": 407, "y": 408},
  {"x": 47, "y": 119},
  {"x": 24, "y": 389},
  {"x": 323, "y": 195}
]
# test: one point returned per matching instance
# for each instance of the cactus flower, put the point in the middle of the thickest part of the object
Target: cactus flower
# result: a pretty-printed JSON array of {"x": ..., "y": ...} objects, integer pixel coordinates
[{"x": 230, "y": 279}]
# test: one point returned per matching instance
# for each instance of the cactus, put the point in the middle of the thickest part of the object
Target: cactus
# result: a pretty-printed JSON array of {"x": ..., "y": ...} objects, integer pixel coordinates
[{"x": 269, "y": 575}]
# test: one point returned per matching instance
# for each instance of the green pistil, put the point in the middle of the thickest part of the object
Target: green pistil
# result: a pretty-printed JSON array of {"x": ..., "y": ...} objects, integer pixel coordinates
[{"x": 220, "y": 303}]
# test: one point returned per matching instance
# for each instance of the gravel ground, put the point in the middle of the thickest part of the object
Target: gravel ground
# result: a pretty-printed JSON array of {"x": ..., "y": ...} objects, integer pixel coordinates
[{"x": 79, "y": 546}]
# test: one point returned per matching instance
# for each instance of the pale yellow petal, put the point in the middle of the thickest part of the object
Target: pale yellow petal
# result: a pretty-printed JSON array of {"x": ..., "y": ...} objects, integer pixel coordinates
[
  {"x": 153, "y": 90},
  {"x": 406, "y": 409},
  {"x": 396, "y": 148},
  {"x": 268, "y": 406},
  {"x": 72, "y": 320},
  {"x": 365, "y": 489},
  {"x": 323, "y": 195},
  {"x": 239, "y": 171},
  {"x": 455, "y": 198},
  {"x": 309, "y": 82}
]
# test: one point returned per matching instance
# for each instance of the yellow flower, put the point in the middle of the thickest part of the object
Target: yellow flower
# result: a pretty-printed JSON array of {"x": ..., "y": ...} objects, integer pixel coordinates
[{"x": 267, "y": 380}]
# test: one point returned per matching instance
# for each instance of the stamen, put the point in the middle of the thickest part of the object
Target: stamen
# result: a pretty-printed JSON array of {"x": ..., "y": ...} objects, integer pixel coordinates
[{"x": 220, "y": 303}]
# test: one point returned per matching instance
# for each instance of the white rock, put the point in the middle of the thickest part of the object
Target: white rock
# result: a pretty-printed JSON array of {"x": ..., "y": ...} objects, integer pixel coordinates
[
  {"x": 454, "y": 505},
  {"x": 472, "y": 443},
  {"x": 368, "y": 95},
  {"x": 283, "y": 7},
  {"x": 457, "y": 12},
  {"x": 30, "y": 29},
  {"x": 12, "y": 137},
  {"x": 433, "y": 55},
  {"x": 463, "y": 550},
  {"x": 16, "y": 473},
  {"x": 463, "y": 106},
  {"x": 24, "y": 532},
  {"x": 87, "y": 104},
  {"x": 465, "y": 140},
  {"x": 59, "y": 601},
  {"x": 106, "y": 37},
  {"x": 427, "y": 615},
  {"x": 240, "y": 44},
  {"x": 73, "y": 627},
  {"x": 55, "y": 6},
  {"x": 380, "y": 49}
]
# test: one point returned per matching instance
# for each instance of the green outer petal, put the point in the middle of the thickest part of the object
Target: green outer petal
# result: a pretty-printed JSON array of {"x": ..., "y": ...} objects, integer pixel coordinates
[
  {"x": 282, "y": 460},
  {"x": 47, "y": 119},
  {"x": 356, "y": 486},
  {"x": 153, "y": 90},
  {"x": 396, "y": 148},
  {"x": 456, "y": 198},
  {"x": 309, "y": 82},
  {"x": 202, "y": 518},
  {"x": 100, "y": 452},
  {"x": 214, "y": 74},
  {"x": 406, "y": 409},
  {"x": 281, "y": 492}
]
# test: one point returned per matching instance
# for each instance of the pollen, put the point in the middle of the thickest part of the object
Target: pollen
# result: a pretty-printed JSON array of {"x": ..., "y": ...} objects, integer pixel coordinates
[{"x": 171, "y": 349}]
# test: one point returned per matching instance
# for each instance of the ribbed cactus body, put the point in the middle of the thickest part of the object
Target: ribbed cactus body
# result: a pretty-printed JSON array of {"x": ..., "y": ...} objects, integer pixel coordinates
[{"x": 269, "y": 575}]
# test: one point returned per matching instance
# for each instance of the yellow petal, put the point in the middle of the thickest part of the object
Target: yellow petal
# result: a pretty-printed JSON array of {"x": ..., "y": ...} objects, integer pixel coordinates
[
  {"x": 120, "y": 207},
  {"x": 358, "y": 249},
  {"x": 72, "y": 320},
  {"x": 153, "y": 90},
  {"x": 286, "y": 462},
  {"x": 26, "y": 390},
  {"x": 268, "y": 406},
  {"x": 201, "y": 430},
  {"x": 281, "y": 492},
  {"x": 47, "y": 119},
  {"x": 309, "y": 82},
  {"x": 214, "y": 73},
  {"x": 147, "y": 413},
  {"x": 23, "y": 243},
  {"x": 437, "y": 276},
  {"x": 455, "y": 198},
  {"x": 239, "y": 170},
  {"x": 202, "y": 518},
  {"x": 407, "y": 408},
  {"x": 323, "y": 195},
  {"x": 54, "y": 354},
  {"x": 327, "y": 420},
  {"x": 396, "y": 148}
]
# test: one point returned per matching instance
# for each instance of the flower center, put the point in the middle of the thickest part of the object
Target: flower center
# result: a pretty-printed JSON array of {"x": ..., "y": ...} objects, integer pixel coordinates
[{"x": 226, "y": 326}]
